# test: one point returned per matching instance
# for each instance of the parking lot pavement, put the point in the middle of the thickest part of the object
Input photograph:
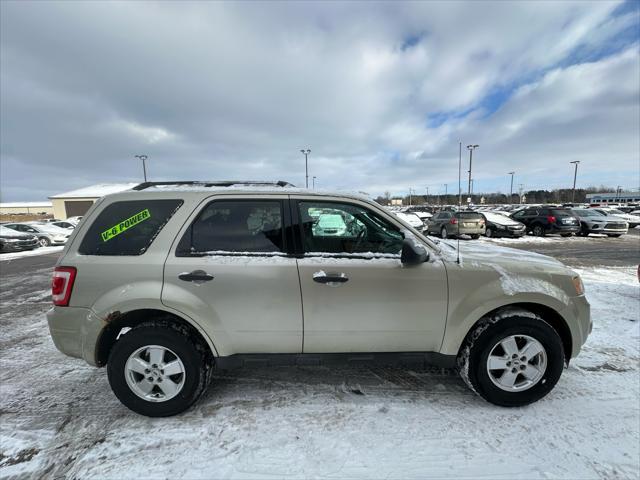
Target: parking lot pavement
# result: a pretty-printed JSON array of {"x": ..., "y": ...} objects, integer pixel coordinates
[
  {"x": 591, "y": 251},
  {"x": 58, "y": 416}
]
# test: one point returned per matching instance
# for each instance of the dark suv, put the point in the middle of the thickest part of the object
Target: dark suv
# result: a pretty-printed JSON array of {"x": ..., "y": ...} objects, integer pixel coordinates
[{"x": 543, "y": 220}]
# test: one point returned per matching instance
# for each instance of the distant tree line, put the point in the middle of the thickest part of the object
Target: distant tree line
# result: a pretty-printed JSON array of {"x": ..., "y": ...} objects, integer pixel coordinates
[{"x": 562, "y": 195}]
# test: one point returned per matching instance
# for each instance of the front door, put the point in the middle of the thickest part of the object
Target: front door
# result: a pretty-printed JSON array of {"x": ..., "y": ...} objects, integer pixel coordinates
[
  {"x": 230, "y": 272},
  {"x": 357, "y": 295}
]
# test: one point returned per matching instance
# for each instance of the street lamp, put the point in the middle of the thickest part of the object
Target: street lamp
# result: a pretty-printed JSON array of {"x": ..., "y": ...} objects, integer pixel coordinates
[
  {"x": 575, "y": 176},
  {"x": 144, "y": 166},
  {"x": 313, "y": 182},
  {"x": 306, "y": 165},
  {"x": 511, "y": 190},
  {"x": 471, "y": 148}
]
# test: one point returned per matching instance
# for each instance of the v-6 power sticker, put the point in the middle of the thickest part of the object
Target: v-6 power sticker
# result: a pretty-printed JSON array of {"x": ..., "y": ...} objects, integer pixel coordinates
[{"x": 125, "y": 225}]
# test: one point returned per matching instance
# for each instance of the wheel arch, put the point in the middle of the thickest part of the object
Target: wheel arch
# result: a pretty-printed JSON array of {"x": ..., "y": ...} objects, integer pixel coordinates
[
  {"x": 548, "y": 314},
  {"x": 112, "y": 330}
]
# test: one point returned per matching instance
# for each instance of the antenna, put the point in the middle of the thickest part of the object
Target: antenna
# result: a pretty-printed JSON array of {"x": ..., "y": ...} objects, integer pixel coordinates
[{"x": 459, "y": 195}]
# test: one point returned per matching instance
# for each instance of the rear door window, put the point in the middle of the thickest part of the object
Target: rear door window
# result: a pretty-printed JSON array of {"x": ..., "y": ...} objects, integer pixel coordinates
[
  {"x": 235, "y": 227},
  {"x": 127, "y": 228}
]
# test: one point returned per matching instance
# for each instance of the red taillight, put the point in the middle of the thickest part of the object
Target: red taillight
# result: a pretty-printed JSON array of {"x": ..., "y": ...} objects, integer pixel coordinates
[
  {"x": 453, "y": 221},
  {"x": 551, "y": 219},
  {"x": 62, "y": 284}
]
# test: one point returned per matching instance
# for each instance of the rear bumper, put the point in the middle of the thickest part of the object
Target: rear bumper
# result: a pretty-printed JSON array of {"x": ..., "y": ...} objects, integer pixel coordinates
[
  {"x": 466, "y": 230},
  {"x": 74, "y": 331},
  {"x": 563, "y": 228}
]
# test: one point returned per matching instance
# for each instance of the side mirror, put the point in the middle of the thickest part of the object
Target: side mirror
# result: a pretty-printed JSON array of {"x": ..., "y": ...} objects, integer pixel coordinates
[{"x": 413, "y": 253}]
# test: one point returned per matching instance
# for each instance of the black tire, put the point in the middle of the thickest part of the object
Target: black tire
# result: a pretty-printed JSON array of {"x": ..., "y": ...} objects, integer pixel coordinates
[
  {"x": 614, "y": 235},
  {"x": 194, "y": 356},
  {"x": 565, "y": 235},
  {"x": 538, "y": 230},
  {"x": 488, "y": 233},
  {"x": 443, "y": 233},
  {"x": 44, "y": 242},
  {"x": 472, "y": 360},
  {"x": 475, "y": 236}
]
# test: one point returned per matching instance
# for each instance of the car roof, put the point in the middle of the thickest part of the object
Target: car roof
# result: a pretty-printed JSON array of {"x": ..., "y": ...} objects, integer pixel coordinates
[{"x": 204, "y": 189}]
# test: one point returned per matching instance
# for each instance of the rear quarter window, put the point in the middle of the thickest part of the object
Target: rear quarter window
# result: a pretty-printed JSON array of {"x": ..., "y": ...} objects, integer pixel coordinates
[{"x": 127, "y": 228}]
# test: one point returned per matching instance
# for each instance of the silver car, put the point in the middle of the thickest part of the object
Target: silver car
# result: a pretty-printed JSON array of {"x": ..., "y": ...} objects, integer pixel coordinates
[
  {"x": 166, "y": 282},
  {"x": 47, "y": 233},
  {"x": 592, "y": 221}
]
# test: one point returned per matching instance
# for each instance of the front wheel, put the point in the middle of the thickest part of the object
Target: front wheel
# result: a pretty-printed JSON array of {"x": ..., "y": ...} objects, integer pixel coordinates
[
  {"x": 44, "y": 242},
  {"x": 156, "y": 370},
  {"x": 512, "y": 359},
  {"x": 488, "y": 233}
]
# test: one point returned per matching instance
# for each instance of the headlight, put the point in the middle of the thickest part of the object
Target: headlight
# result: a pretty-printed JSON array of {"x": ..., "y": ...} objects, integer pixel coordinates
[
  {"x": 501, "y": 227},
  {"x": 578, "y": 285}
]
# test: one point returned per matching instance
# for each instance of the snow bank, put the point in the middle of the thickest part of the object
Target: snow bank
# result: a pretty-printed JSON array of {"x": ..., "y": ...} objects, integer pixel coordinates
[{"x": 29, "y": 253}]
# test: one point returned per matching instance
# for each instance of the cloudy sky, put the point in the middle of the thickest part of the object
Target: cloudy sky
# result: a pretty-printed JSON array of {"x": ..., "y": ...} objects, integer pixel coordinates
[{"x": 380, "y": 92}]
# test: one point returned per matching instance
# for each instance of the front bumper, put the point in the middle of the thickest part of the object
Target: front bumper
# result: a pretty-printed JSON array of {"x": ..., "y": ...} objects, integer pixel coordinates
[
  {"x": 18, "y": 246},
  {"x": 74, "y": 331},
  {"x": 578, "y": 315}
]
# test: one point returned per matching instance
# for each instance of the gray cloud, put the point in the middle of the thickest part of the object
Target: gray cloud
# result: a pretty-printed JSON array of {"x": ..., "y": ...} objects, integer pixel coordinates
[{"x": 228, "y": 90}]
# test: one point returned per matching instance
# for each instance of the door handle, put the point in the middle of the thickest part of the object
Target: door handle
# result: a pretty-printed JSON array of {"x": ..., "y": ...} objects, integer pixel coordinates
[
  {"x": 197, "y": 276},
  {"x": 332, "y": 279}
]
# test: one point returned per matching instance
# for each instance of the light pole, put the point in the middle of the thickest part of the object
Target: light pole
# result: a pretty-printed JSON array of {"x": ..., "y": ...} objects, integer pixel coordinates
[
  {"x": 575, "y": 176},
  {"x": 471, "y": 148},
  {"x": 313, "y": 182},
  {"x": 144, "y": 166},
  {"x": 511, "y": 190},
  {"x": 520, "y": 190},
  {"x": 306, "y": 166},
  {"x": 410, "y": 199},
  {"x": 427, "y": 197}
]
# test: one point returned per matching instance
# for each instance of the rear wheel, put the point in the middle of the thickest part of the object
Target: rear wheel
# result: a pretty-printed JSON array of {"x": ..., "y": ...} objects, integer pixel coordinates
[
  {"x": 513, "y": 359},
  {"x": 475, "y": 236},
  {"x": 444, "y": 233},
  {"x": 566, "y": 234},
  {"x": 44, "y": 242},
  {"x": 157, "y": 370},
  {"x": 538, "y": 230}
]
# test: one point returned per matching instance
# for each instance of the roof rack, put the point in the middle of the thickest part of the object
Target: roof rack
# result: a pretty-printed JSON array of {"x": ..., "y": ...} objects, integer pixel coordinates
[{"x": 220, "y": 183}]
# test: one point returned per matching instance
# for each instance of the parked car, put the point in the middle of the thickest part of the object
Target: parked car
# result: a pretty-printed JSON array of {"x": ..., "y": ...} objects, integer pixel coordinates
[
  {"x": 47, "y": 234},
  {"x": 545, "y": 220},
  {"x": 453, "y": 224},
  {"x": 330, "y": 224},
  {"x": 592, "y": 221},
  {"x": 74, "y": 220},
  {"x": 162, "y": 285},
  {"x": 64, "y": 224},
  {"x": 632, "y": 220},
  {"x": 412, "y": 219},
  {"x": 497, "y": 225},
  {"x": 14, "y": 241}
]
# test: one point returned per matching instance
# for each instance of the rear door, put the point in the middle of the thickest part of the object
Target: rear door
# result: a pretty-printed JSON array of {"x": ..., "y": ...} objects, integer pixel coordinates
[
  {"x": 357, "y": 295},
  {"x": 230, "y": 268}
]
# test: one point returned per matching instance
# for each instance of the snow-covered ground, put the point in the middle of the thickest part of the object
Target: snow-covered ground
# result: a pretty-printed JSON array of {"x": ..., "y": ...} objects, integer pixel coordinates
[
  {"x": 29, "y": 253},
  {"x": 58, "y": 416}
]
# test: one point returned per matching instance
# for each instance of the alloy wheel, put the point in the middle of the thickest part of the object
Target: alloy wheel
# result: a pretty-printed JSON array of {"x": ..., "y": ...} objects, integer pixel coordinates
[
  {"x": 517, "y": 363},
  {"x": 155, "y": 373}
]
